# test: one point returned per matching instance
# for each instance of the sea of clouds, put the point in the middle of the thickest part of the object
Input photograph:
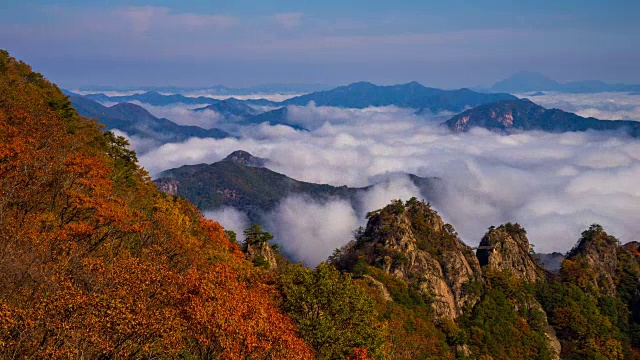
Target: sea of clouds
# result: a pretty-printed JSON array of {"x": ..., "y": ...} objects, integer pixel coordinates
[{"x": 555, "y": 185}]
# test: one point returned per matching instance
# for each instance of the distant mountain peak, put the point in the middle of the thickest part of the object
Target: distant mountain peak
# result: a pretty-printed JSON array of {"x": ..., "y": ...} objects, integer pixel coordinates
[
  {"x": 361, "y": 84},
  {"x": 246, "y": 159},
  {"x": 413, "y": 85},
  {"x": 129, "y": 109},
  {"x": 523, "y": 115}
]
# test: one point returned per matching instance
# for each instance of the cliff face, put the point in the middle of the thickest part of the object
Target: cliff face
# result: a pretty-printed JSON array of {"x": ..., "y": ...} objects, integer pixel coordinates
[
  {"x": 412, "y": 242},
  {"x": 507, "y": 247}
]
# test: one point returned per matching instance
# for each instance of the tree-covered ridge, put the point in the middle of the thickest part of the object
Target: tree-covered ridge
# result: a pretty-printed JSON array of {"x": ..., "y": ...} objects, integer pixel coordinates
[
  {"x": 241, "y": 181},
  {"x": 96, "y": 263}
]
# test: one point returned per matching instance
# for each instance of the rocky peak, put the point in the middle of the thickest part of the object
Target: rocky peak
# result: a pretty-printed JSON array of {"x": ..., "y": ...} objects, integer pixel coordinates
[
  {"x": 410, "y": 240},
  {"x": 594, "y": 257},
  {"x": 246, "y": 159},
  {"x": 507, "y": 247}
]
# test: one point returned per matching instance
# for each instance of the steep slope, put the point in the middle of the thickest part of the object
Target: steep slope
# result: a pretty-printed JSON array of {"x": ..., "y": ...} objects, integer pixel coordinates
[
  {"x": 507, "y": 247},
  {"x": 137, "y": 121},
  {"x": 239, "y": 181},
  {"x": 523, "y": 114},
  {"x": 411, "y": 95},
  {"x": 95, "y": 263}
]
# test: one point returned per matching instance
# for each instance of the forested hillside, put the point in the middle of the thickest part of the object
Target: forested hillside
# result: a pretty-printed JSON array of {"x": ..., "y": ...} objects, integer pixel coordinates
[{"x": 96, "y": 263}]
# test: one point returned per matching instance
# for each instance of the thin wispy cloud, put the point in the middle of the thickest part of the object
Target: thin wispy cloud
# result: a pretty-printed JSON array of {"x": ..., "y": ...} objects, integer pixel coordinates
[
  {"x": 288, "y": 20},
  {"x": 146, "y": 19},
  {"x": 230, "y": 44}
]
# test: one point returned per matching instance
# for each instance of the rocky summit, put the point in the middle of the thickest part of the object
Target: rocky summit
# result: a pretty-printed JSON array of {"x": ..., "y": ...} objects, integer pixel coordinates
[
  {"x": 411, "y": 242},
  {"x": 507, "y": 247}
]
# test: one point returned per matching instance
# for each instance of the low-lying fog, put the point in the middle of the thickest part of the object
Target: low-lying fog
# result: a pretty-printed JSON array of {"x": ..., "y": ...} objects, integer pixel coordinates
[{"x": 555, "y": 185}]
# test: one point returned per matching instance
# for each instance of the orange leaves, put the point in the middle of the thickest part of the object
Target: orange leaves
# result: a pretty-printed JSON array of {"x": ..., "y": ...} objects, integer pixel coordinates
[
  {"x": 235, "y": 321},
  {"x": 359, "y": 354},
  {"x": 95, "y": 263}
]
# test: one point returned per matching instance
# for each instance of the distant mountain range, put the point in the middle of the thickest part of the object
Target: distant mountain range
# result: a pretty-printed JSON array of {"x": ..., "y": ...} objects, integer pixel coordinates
[
  {"x": 358, "y": 95},
  {"x": 136, "y": 121},
  {"x": 532, "y": 81},
  {"x": 523, "y": 114},
  {"x": 411, "y": 95},
  {"x": 500, "y": 111},
  {"x": 153, "y": 98},
  {"x": 240, "y": 181}
]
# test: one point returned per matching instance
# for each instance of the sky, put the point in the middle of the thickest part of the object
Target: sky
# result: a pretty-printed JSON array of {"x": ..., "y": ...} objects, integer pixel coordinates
[{"x": 197, "y": 43}]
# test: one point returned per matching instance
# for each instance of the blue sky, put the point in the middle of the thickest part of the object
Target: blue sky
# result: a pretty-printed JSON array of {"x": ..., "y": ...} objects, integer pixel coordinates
[{"x": 242, "y": 43}]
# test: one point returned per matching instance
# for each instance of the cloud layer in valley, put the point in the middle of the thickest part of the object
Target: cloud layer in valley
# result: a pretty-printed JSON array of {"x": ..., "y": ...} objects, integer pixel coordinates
[
  {"x": 604, "y": 106},
  {"x": 231, "y": 219},
  {"x": 555, "y": 185}
]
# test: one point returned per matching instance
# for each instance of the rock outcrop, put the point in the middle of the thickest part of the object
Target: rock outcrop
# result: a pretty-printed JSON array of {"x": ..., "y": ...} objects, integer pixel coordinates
[
  {"x": 256, "y": 246},
  {"x": 262, "y": 254},
  {"x": 168, "y": 186},
  {"x": 507, "y": 247},
  {"x": 246, "y": 159},
  {"x": 412, "y": 242}
]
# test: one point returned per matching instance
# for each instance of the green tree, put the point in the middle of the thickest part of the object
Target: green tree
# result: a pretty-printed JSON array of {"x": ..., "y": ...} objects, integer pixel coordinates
[
  {"x": 334, "y": 315},
  {"x": 254, "y": 235}
]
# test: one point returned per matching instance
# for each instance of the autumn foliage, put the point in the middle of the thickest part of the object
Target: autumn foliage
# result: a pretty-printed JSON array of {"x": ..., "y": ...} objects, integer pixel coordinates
[{"x": 95, "y": 263}]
